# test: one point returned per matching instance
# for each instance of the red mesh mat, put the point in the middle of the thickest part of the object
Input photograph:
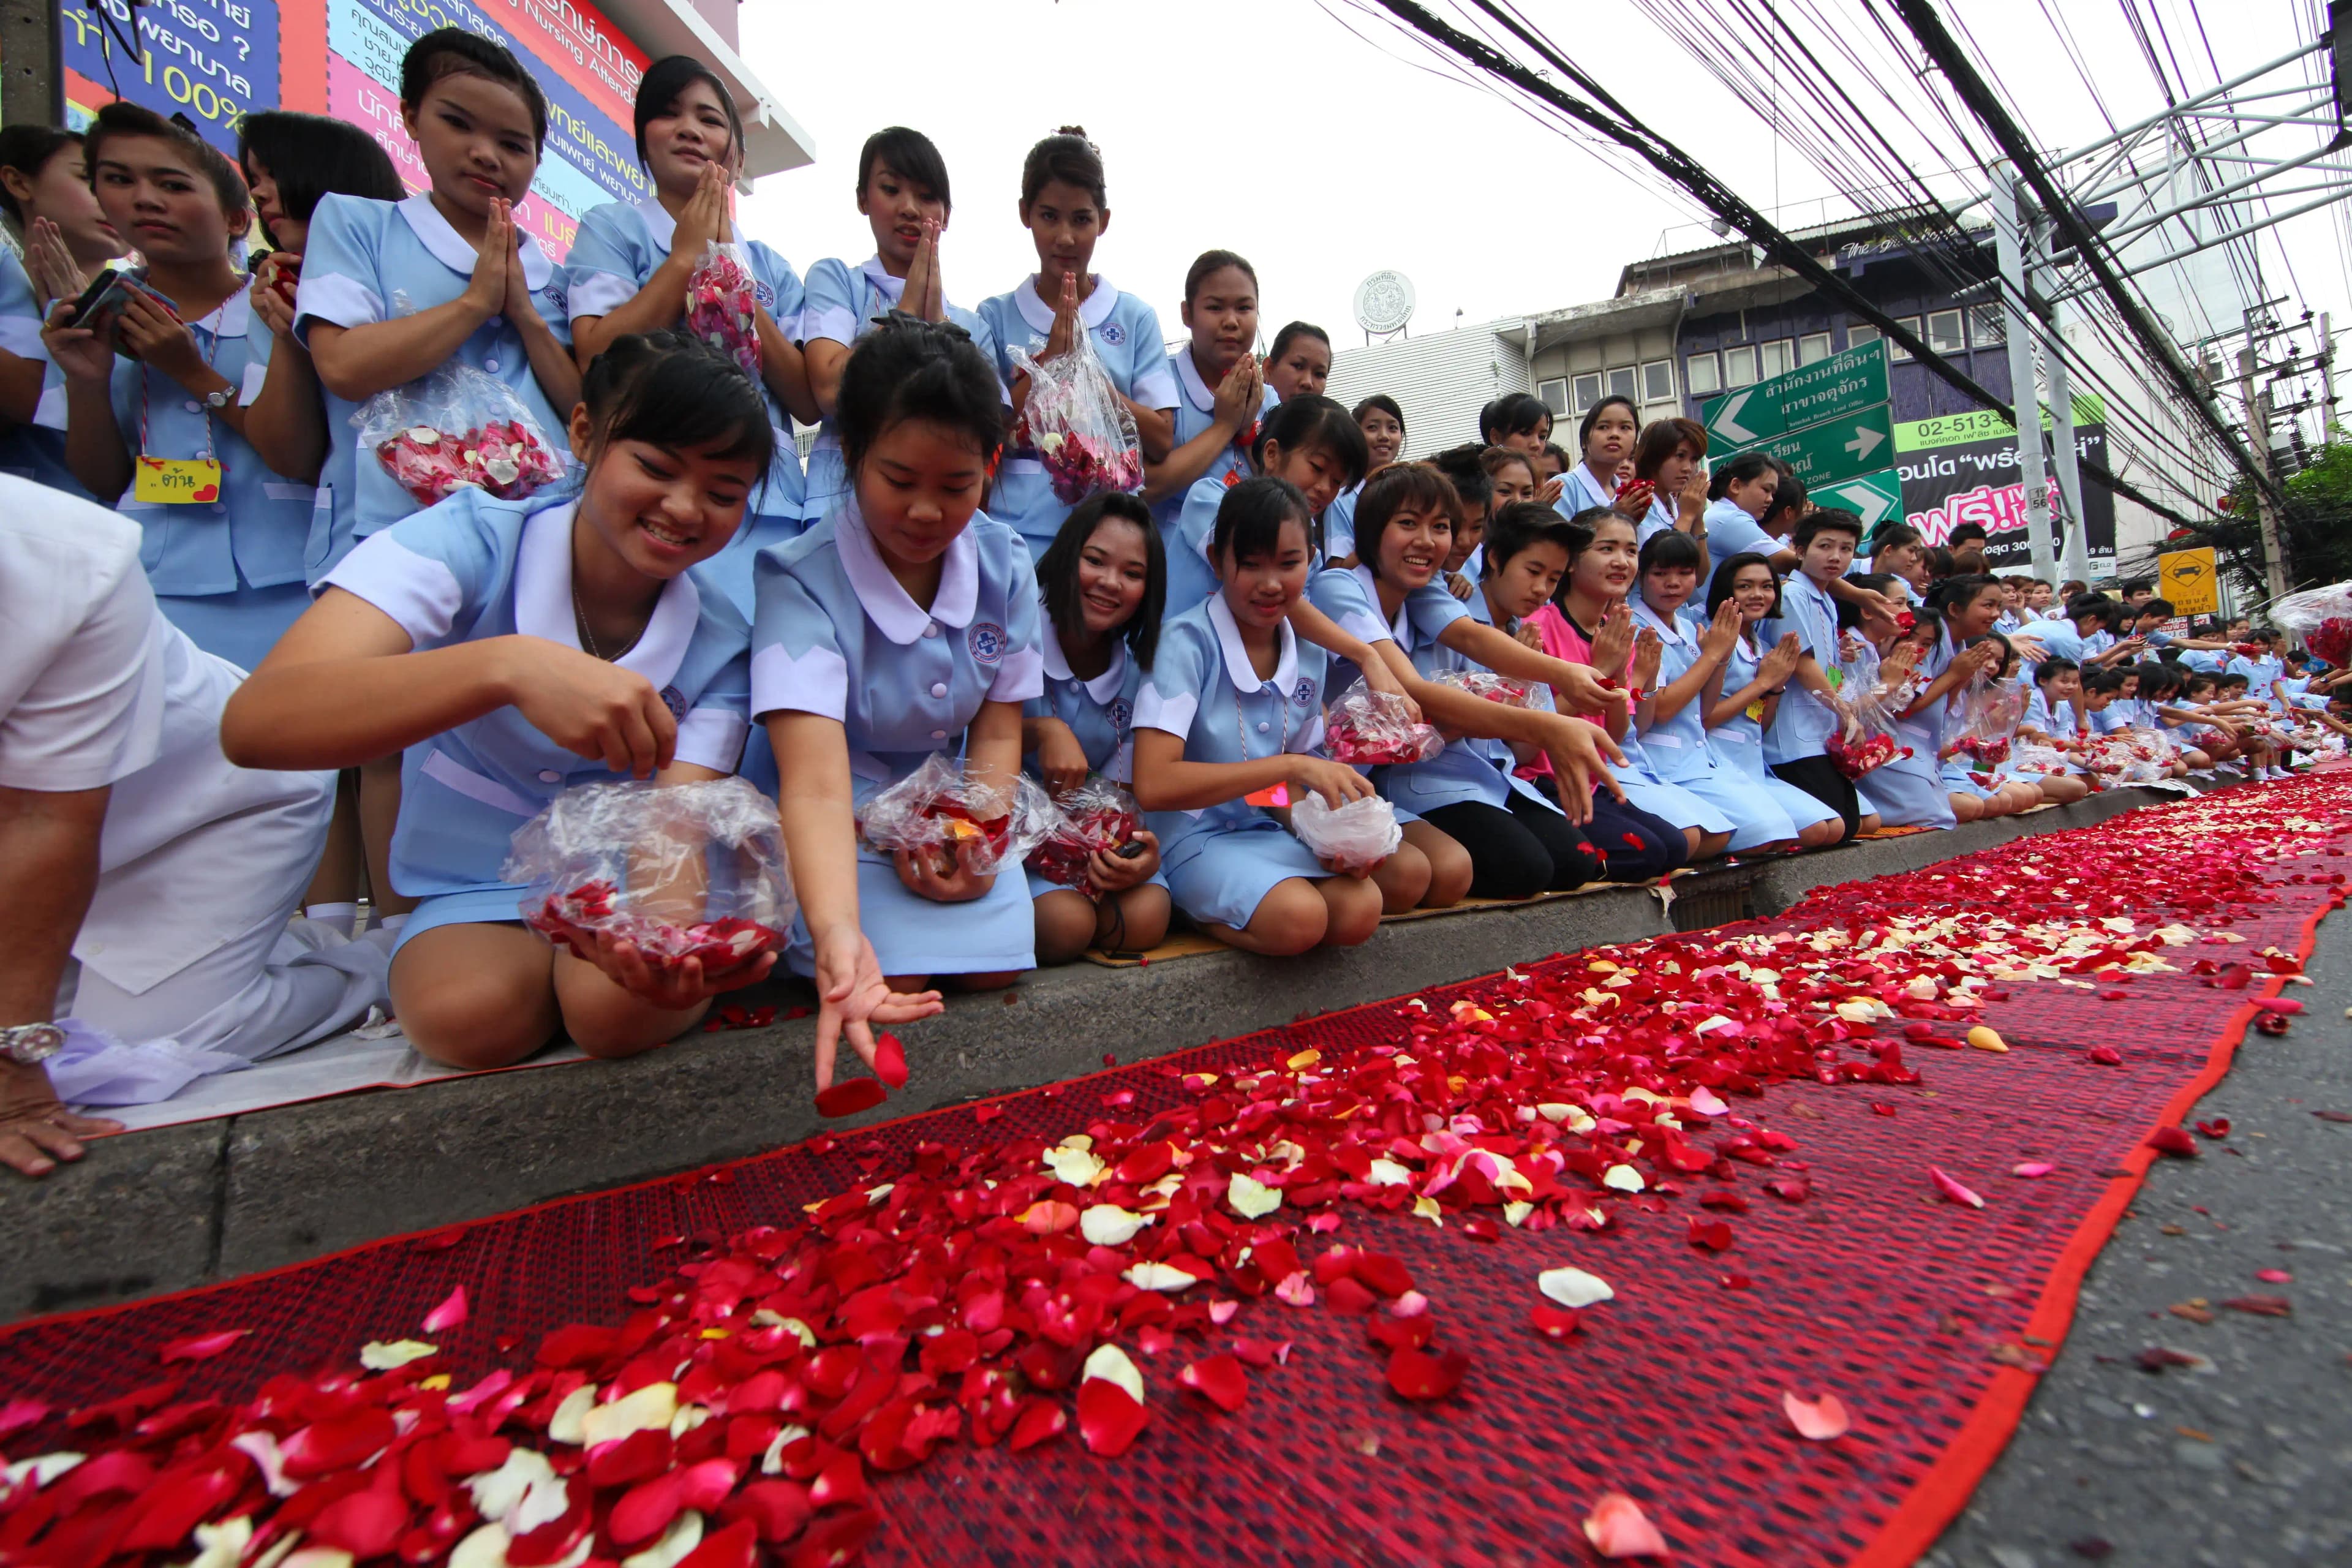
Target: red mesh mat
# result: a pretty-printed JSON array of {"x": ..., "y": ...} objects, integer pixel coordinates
[{"x": 1913, "y": 1311}]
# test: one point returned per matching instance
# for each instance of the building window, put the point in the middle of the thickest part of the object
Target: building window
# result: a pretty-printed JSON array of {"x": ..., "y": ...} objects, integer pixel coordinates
[
  {"x": 1812, "y": 347},
  {"x": 1554, "y": 394},
  {"x": 1859, "y": 333},
  {"x": 1773, "y": 357},
  {"x": 1989, "y": 325},
  {"x": 1943, "y": 332},
  {"x": 1658, "y": 381},
  {"x": 1588, "y": 393},
  {"x": 1897, "y": 351},
  {"x": 1621, "y": 381},
  {"x": 1704, "y": 374},
  {"x": 1740, "y": 365}
]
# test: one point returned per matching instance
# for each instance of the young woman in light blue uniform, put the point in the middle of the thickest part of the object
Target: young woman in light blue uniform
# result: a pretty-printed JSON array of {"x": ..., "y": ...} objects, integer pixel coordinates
[
  {"x": 902, "y": 190},
  {"x": 1309, "y": 441},
  {"x": 1605, "y": 438},
  {"x": 1103, "y": 586},
  {"x": 33, "y": 449},
  {"x": 1211, "y": 443},
  {"x": 629, "y": 269},
  {"x": 903, "y": 627},
  {"x": 517, "y": 650},
  {"x": 1065, "y": 206},
  {"x": 1213, "y": 729},
  {"x": 392, "y": 292},
  {"x": 1382, "y": 424},
  {"x": 45, "y": 196},
  {"x": 1739, "y": 702},
  {"x": 1952, "y": 635}
]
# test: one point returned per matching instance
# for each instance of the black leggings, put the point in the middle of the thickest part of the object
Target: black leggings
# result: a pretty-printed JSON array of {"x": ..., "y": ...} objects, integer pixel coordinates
[
  {"x": 1818, "y": 777},
  {"x": 1639, "y": 848},
  {"x": 1518, "y": 852}
]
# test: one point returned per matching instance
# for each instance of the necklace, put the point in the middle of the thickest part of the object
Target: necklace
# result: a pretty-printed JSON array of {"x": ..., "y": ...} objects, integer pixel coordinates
[{"x": 580, "y": 618}]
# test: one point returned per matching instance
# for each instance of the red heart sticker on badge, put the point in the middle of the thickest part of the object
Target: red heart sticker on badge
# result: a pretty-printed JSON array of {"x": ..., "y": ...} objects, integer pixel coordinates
[{"x": 209, "y": 492}]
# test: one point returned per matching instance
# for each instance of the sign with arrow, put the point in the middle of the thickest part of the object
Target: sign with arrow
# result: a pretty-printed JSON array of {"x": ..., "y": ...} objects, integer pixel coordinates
[
  {"x": 1871, "y": 497},
  {"x": 1835, "y": 449},
  {"x": 1826, "y": 389}
]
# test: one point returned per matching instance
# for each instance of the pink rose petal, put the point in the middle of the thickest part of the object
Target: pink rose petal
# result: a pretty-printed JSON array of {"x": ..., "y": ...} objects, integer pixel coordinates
[
  {"x": 1618, "y": 1527},
  {"x": 1818, "y": 1419},
  {"x": 449, "y": 1314},
  {"x": 1953, "y": 1190}
]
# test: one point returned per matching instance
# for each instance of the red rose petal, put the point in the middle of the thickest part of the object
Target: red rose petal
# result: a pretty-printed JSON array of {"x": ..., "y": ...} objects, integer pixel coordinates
[
  {"x": 2173, "y": 1140},
  {"x": 776, "y": 1509},
  {"x": 1220, "y": 1380},
  {"x": 890, "y": 1060},
  {"x": 644, "y": 1510},
  {"x": 200, "y": 1347},
  {"x": 1557, "y": 1322},
  {"x": 735, "y": 1546},
  {"x": 449, "y": 1314},
  {"x": 1040, "y": 1420},
  {"x": 1110, "y": 1419},
  {"x": 364, "y": 1524},
  {"x": 836, "y": 1539},
  {"x": 1418, "y": 1374},
  {"x": 850, "y": 1096}
]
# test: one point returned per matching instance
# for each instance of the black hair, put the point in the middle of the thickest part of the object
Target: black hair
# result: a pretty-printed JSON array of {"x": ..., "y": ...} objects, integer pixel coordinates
[
  {"x": 1592, "y": 417},
  {"x": 2158, "y": 679},
  {"x": 1667, "y": 549},
  {"x": 1559, "y": 453},
  {"x": 2131, "y": 586},
  {"x": 1849, "y": 617},
  {"x": 1309, "y": 421},
  {"x": 2229, "y": 678},
  {"x": 1892, "y": 535},
  {"x": 1211, "y": 262},
  {"x": 309, "y": 156},
  {"x": 27, "y": 147},
  {"x": 1379, "y": 402},
  {"x": 665, "y": 82},
  {"x": 671, "y": 389},
  {"x": 1292, "y": 332},
  {"x": 1464, "y": 467},
  {"x": 1959, "y": 593},
  {"x": 2008, "y": 654},
  {"x": 1829, "y": 519},
  {"x": 1250, "y": 518},
  {"x": 1588, "y": 523},
  {"x": 2050, "y": 669},
  {"x": 1739, "y": 469},
  {"x": 2108, "y": 679},
  {"x": 2265, "y": 634},
  {"x": 1396, "y": 488},
  {"x": 910, "y": 156},
  {"x": 1727, "y": 572},
  {"x": 1521, "y": 525},
  {"x": 122, "y": 118},
  {"x": 1965, "y": 531},
  {"x": 911, "y": 369},
  {"x": 453, "y": 51},
  {"x": 1057, "y": 572},
  {"x": 2156, "y": 607},
  {"x": 1513, "y": 413},
  {"x": 1068, "y": 156},
  {"x": 1787, "y": 496},
  {"x": 2082, "y": 605}
]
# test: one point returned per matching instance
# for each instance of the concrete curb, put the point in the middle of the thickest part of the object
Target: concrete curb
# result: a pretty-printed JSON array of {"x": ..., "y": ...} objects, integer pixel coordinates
[{"x": 182, "y": 1207}]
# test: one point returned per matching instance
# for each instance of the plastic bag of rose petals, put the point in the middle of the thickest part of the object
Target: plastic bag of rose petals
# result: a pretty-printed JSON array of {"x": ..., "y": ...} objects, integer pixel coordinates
[
  {"x": 940, "y": 807},
  {"x": 1989, "y": 714},
  {"x": 1098, "y": 817},
  {"x": 685, "y": 871},
  {"x": 2322, "y": 617},
  {"x": 1494, "y": 687},
  {"x": 1356, "y": 836},
  {"x": 722, "y": 304},
  {"x": 1367, "y": 727},
  {"x": 1078, "y": 424},
  {"x": 455, "y": 429}
]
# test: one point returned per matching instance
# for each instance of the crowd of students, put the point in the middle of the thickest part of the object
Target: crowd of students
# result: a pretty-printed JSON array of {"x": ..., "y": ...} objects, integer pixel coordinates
[{"x": 1696, "y": 654}]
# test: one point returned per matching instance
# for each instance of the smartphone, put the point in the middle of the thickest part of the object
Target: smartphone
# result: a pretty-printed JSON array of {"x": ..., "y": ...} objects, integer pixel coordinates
[
  {"x": 1130, "y": 851},
  {"x": 105, "y": 292}
]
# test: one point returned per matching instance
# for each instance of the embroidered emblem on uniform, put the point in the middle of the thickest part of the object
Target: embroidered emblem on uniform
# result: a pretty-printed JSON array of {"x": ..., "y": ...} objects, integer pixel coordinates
[
  {"x": 1304, "y": 692},
  {"x": 1112, "y": 334},
  {"x": 765, "y": 295},
  {"x": 674, "y": 700},
  {"x": 1120, "y": 712},
  {"x": 986, "y": 640},
  {"x": 556, "y": 295}
]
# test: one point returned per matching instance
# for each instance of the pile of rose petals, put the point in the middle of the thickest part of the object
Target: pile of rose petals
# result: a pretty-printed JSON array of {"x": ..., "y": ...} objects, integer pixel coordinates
[{"x": 991, "y": 1295}]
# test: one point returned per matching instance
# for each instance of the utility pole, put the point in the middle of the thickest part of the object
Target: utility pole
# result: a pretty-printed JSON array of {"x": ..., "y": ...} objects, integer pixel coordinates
[
  {"x": 2067, "y": 458},
  {"x": 2258, "y": 432},
  {"x": 2326, "y": 380},
  {"x": 2009, "y": 235}
]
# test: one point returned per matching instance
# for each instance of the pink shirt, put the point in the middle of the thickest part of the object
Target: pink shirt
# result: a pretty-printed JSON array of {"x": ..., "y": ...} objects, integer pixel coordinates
[{"x": 1565, "y": 643}]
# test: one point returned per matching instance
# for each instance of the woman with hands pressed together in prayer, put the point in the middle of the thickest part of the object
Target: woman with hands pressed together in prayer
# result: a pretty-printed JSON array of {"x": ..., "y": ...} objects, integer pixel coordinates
[{"x": 1740, "y": 700}]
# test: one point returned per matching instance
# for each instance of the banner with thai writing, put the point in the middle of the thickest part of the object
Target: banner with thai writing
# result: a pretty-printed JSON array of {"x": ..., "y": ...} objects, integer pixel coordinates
[{"x": 1966, "y": 467}]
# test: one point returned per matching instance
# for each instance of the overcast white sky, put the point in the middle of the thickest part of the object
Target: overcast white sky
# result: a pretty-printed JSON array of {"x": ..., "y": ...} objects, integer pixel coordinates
[{"x": 1322, "y": 154}]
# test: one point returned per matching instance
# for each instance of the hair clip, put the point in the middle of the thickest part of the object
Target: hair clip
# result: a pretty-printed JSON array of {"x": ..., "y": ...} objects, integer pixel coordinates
[{"x": 180, "y": 118}]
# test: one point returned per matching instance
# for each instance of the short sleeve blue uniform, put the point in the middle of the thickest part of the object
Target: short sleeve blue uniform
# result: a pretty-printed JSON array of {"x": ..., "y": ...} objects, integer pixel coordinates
[
  {"x": 1100, "y": 713},
  {"x": 1195, "y": 411},
  {"x": 619, "y": 247},
  {"x": 1910, "y": 790},
  {"x": 1126, "y": 335},
  {"x": 35, "y": 452},
  {"x": 1679, "y": 750},
  {"x": 370, "y": 261},
  {"x": 472, "y": 568},
  {"x": 838, "y": 636},
  {"x": 1802, "y": 722},
  {"x": 1737, "y": 743}
]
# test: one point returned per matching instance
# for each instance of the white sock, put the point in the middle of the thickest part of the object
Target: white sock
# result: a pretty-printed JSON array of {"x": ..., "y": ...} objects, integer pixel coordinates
[{"x": 339, "y": 915}]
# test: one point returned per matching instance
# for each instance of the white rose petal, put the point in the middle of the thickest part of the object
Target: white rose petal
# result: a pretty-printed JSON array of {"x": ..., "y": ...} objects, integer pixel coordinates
[
  {"x": 223, "y": 1545},
  {"x": 1076, "y": 1166},
  {"x": 1250, "y": 1198},
  {"x": 378, "y": 1356},
  {"x": 1107, "y": 1225},
  {"x": 1622, "y": 1179},
  {"x": 44, "y": 1468},
  {"x": 497, "y": 1493},
  {"x": 564, "y": 1427},
  {"x": 1159, "y": 1276},
  {"x": 683, "y": 1534},
  {"x": 1110, "y": 1363},
  {"x": 654, "y": 1405},
  {"x": 1574, "y": 1288},
  {"x": 1389, "y": 1174}
]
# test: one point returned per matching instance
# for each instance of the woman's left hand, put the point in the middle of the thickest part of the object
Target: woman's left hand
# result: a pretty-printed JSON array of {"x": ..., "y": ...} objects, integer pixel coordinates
[
  {"x": 154, "y": 335},
  {"x": 269, "y": 306},
  {"x": 1381, "y": 678},
  {"x": 1649, "y": 652},
  {"x": 959, "y": 885},
  {"x": 1110, "y": 873},
  {"x": 1613, "y": 639},
  {"x": 49, "y": 264},
  {"x": 1461, "y": 587},
  {"x": 1065, "y": 334},
  {"x": 673, "y": 988},
  {"x": 853, "y": 996}
]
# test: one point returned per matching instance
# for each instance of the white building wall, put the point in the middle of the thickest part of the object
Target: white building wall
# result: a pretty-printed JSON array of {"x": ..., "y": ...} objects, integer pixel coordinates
[{"x": 1441, "y": 380}]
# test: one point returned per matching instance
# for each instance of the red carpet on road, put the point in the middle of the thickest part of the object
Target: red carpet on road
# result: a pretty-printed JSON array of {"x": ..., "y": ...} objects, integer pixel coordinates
[{"x": 1847, "y": 1272}]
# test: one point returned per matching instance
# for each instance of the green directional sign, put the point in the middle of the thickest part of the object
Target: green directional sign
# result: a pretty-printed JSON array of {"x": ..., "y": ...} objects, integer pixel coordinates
[
  {"x": 1842, "y": 449},
  {"x": 1830, "y": 388},
  {"x": 1874, "y": 498}
]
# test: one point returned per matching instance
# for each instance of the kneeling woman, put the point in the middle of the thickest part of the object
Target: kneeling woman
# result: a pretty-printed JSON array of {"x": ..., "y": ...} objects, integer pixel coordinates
[
  {"x": 1234, "y": 710},
  {"x": 1103, "y": 584},
  {"x": 1739, "y": 699},
  {"x": 1909, "y": 791},
  {"x": 515, "y": 649},
  {"x": 902, "y": 626}
]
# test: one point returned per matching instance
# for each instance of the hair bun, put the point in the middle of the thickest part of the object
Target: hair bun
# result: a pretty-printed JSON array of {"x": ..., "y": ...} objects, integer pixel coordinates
[{"x": 1077, "y": 131}]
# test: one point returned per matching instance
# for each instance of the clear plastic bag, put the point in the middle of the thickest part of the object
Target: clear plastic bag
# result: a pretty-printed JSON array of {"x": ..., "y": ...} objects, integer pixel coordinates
[
  {"x": 2031, "y": 757},
  {"x": 456, "y": 428},
  {"x": 1098, "y": 817},
  {"x": 1356, "y": 836},
  {"x": 1989, "y": 712},
  {"x": 1873, "y": 708},
  {"x": 940, "y": 807},
  {"x": 1366, "y": 728},
  {"x": 1078, "y": 424},
  {"x": 2322, "y": 617},
  {"x": 722, "y": 304},
  {"x": 1494, "y": 687},
  {"x": 685, "y": 871}
]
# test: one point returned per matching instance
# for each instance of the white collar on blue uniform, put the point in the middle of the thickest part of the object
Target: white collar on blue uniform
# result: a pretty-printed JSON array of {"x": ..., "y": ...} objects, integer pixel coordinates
[
  {"x": 231, "y": 318},
  {"x": 1401, "y": 626},
  {"x": 1669, "y": 627},
  {"x": 1103, "y": 688},
  {"x": 1238, "y": 668},
  {"x": 1093, "y": 311},
  {"x": 658, "y": 223},
  {"x": 1580, "y": 478},
  {"x": 887, "y": 604},
  {"x": 889, "y": 288},
  {"x": 545, "y": 606},
  {"x": 454, "y": 251},
  {"x": 1187, "y": 375}
]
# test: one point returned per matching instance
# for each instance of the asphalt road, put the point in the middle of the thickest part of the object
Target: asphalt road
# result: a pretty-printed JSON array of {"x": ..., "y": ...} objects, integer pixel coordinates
[{"x": 2244, "y": 1461}]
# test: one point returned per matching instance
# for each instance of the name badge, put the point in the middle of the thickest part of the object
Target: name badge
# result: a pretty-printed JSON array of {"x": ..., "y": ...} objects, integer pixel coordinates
[{"x": 175, "y": 482}]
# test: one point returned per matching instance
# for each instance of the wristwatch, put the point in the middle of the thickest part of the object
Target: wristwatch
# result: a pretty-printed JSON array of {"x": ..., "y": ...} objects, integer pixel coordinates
[
  {"x": 29, "y": 1045},
  {"x": 220, "y": 398}
]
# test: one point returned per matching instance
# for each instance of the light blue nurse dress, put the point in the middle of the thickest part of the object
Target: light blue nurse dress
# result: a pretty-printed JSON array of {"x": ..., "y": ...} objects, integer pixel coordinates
[
  {"x": 472, "y": 568},
  {"x": 1737, "y": 743},
  {"x": 370, "y": 261},
  {"x": 1802, "y": 723},
  {"x": 1678, "y": 748},
  {"x": 227, "y": 571},
  {"x": 1579, "y": 492},
  {"x": 1100, "y": 713},
  {"x": 1127, "y": 337},
  {"x": 1195, "y": 411},
  {"x": 1223, "y": 860},
  {"x": 836, "y": 636},
  {"x": 35, "y": 452},
  {"x": 1909, "y": 791},
  {"x": 840, "y": 305},
  {"x": 620, "y": 245}
]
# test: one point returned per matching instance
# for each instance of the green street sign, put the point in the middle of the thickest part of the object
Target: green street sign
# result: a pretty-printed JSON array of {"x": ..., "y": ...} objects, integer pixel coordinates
[
  {"x": 1826, "y": 389},
  {"x": 1874, "y": 498},
  {"x": 1840, "y": 448}
]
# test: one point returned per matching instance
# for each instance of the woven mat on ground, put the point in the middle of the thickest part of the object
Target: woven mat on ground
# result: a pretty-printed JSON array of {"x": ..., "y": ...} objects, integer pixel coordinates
[{"x": 1925, "y": 1318}]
